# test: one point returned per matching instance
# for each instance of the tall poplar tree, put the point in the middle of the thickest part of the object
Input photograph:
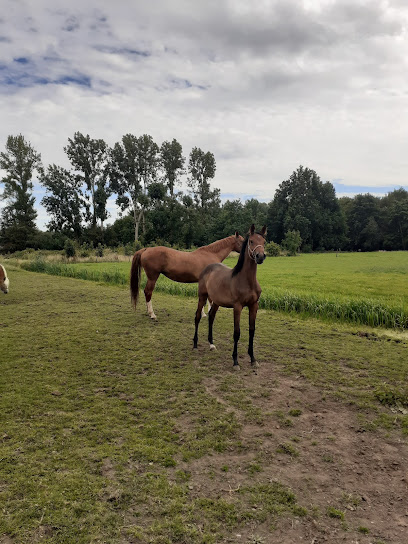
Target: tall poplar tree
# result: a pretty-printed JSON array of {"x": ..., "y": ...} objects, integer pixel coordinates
[
  {"x": 133, "y": 168},
  {"x": 89, "y": 157},
  {"x": 19, "y": 161}
]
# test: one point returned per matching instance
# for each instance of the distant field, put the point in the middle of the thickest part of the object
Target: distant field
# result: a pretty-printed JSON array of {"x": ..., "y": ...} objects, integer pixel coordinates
[{"x": 369, "y": 288}]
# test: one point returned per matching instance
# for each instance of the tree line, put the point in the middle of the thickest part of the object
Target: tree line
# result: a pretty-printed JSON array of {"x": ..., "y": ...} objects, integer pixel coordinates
[{"x": 144, "y": 178}]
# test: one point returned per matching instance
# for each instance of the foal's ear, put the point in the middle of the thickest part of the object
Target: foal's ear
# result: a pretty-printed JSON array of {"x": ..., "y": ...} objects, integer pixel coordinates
[
  {"x": 236, "y": 234},
  {"x": 252, "y": 229},
  {"x": 263, "y": 231}
]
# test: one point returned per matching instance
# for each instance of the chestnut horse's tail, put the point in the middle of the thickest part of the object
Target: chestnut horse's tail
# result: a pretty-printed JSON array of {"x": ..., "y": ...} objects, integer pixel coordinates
[{"x": 135, "y": 275}]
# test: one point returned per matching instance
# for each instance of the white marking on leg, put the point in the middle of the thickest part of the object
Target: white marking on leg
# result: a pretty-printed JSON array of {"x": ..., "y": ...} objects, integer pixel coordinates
[
  {"x": 150, "y": 310},
  {"x": 212, "y": 347},
  {"x": 203, "y": 314}
]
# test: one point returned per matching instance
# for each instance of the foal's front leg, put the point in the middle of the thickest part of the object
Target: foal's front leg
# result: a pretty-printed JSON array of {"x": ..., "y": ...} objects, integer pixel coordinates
[
  {"x": 237, "y": 334},
  {"x": 201, "y": 302},
  {"x": 252, "y": 317}
]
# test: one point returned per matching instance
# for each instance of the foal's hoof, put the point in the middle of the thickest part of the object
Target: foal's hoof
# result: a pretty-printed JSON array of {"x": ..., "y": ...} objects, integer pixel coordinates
[
  {"x": 255, "y": 364},
  {"x": 212, "y": 347},
  {"x": 236, "y": 367}
]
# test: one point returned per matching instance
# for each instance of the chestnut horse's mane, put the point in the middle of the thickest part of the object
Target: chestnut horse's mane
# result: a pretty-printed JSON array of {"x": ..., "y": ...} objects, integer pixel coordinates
[{"x": 215, "y": 246}]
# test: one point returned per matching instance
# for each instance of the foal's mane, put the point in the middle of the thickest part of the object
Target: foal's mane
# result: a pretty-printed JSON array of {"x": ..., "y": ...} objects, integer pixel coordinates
[{"x": 238, "y": 267}]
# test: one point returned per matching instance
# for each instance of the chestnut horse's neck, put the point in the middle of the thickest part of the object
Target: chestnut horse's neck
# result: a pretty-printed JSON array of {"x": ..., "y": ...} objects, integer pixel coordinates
[{"x": 221, "y": 248}]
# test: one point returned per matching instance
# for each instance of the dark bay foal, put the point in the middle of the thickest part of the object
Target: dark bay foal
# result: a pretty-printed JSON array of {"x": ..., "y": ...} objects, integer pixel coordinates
[{"x": 234, "y": 288}]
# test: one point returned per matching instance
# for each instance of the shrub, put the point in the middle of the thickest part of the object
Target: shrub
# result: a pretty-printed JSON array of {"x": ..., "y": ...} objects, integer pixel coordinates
[
  {"x": 99, "y": 250},
  {"x": 292, "y": 242},
  {"x": 69, "y": 248},
  {"x": 272, "y": 249}
]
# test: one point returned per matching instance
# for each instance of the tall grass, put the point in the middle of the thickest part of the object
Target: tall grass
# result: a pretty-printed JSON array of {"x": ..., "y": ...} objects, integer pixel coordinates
[{"x": 360, "y": 311}]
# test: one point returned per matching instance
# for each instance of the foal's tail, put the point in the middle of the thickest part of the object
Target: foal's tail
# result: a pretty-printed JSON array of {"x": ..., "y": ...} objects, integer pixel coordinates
[{"x": 135, "y": 274}]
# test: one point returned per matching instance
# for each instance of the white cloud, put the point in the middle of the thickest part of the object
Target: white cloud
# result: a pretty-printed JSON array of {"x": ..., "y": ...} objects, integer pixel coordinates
[{"x": 264, "y": 86}]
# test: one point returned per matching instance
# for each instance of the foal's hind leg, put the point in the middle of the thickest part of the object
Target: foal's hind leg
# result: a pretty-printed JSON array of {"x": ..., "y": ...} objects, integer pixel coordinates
[
  {"x": 148, "y": 291},
  {"x": 252, "y": 317},
  {"x": 211, "y": 317},
  {"x": 203, "y": 314},
  {"x": 201, "y": 301}
]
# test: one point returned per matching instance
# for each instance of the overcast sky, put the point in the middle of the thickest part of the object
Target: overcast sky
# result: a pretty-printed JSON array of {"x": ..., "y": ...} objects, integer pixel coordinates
[{"x": 265, "y": 86}]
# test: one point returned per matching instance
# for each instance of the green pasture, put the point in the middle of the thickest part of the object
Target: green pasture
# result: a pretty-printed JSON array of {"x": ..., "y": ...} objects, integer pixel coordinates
[
  {"x": 113, "y": 430},
  {"x": 366, "y": 288}
]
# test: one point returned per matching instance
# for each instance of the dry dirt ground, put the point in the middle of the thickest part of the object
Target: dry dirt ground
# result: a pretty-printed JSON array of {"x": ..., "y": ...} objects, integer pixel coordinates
[{"x": 363, "y": 474}]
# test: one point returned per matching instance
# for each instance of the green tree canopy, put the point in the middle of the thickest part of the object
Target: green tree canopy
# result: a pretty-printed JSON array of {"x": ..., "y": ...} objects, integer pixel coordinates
[
  {"x": 172, "y": 163},
  {"x": 63, "y": 200},
  {"x": 89, "y": 157},
  {"x": 304, "y": 203},
  {"x": 133, "y": 168},
  {"x": 19, "y": 161}
]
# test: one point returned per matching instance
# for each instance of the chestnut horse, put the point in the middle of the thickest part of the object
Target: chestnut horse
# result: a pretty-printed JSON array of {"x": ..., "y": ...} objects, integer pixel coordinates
[
  {"x": 4, "y": 281},
  {"x": 234, "y": 288},
  {"x": 182, "y": 266}
]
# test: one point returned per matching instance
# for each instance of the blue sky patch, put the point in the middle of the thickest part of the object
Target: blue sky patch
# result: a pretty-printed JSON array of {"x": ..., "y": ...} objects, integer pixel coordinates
[
  {"x": 342, "y": 188},
  {"x": 22, "y": 60}
]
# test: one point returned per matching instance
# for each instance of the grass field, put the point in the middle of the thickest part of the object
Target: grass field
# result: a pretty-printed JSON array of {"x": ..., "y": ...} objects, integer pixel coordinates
[
  {"x": 112, "y": 430},
  {"x": 367, "y": 288}
]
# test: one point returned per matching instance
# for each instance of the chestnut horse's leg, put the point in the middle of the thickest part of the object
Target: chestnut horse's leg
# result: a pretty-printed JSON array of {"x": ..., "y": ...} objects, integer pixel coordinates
[
  {"x": 148, "y": 290},
  {"x": 211, "y": 317},
  {"x": 237, "y": 334},
  {"x": 201, "y": 301},
  {"x": 252, "y": 317}
]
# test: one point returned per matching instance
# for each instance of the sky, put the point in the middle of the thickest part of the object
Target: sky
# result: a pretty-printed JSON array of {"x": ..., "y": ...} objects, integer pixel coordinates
[{"x": 265, "y": 86}]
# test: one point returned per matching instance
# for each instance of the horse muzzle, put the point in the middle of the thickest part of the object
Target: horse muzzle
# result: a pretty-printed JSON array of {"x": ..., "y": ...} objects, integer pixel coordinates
[{"x": 259, "y": 258}]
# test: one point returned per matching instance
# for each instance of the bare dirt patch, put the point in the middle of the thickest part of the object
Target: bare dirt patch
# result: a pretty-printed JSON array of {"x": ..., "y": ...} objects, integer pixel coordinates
[{"x": 352, "y": 482}]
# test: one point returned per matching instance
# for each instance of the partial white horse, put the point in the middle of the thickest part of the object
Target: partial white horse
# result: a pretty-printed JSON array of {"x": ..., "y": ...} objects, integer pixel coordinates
[{"x": 4, "y": 281}]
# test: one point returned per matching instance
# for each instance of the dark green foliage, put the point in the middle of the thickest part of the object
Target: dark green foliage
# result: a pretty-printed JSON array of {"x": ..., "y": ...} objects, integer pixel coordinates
[
  {"x": 144, "y": 177},
  {"x": 272, "y": 249},
  {"x": 172, "y": 163},
  {"x": 89, "y": 158},
  {"x": 133, "y": 167},
  {"x": 69, "y": 248},
  {"x": 363, "y": 220},
  {"x": 19, "y": 161},
  {"x": 63, "y": 201},
  {"x": 99, "y": 250},
  {"x": 306, "y": 204},
  {"x": 292, "y": 242}
]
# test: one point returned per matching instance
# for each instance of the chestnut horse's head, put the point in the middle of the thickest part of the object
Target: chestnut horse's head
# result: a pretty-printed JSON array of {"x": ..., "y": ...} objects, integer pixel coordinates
[
  {"x": 256, "y": 244},
  {"x": 238, "y": 241},
  {"x": 4, "y": 281}
]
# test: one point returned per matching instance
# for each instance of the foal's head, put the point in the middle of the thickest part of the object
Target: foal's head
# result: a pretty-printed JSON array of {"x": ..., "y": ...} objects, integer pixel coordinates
[
  {"x": 253, "y": 248},
  {"x": 4, "y": 281},
  {"x": 256, "y": 244}
]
